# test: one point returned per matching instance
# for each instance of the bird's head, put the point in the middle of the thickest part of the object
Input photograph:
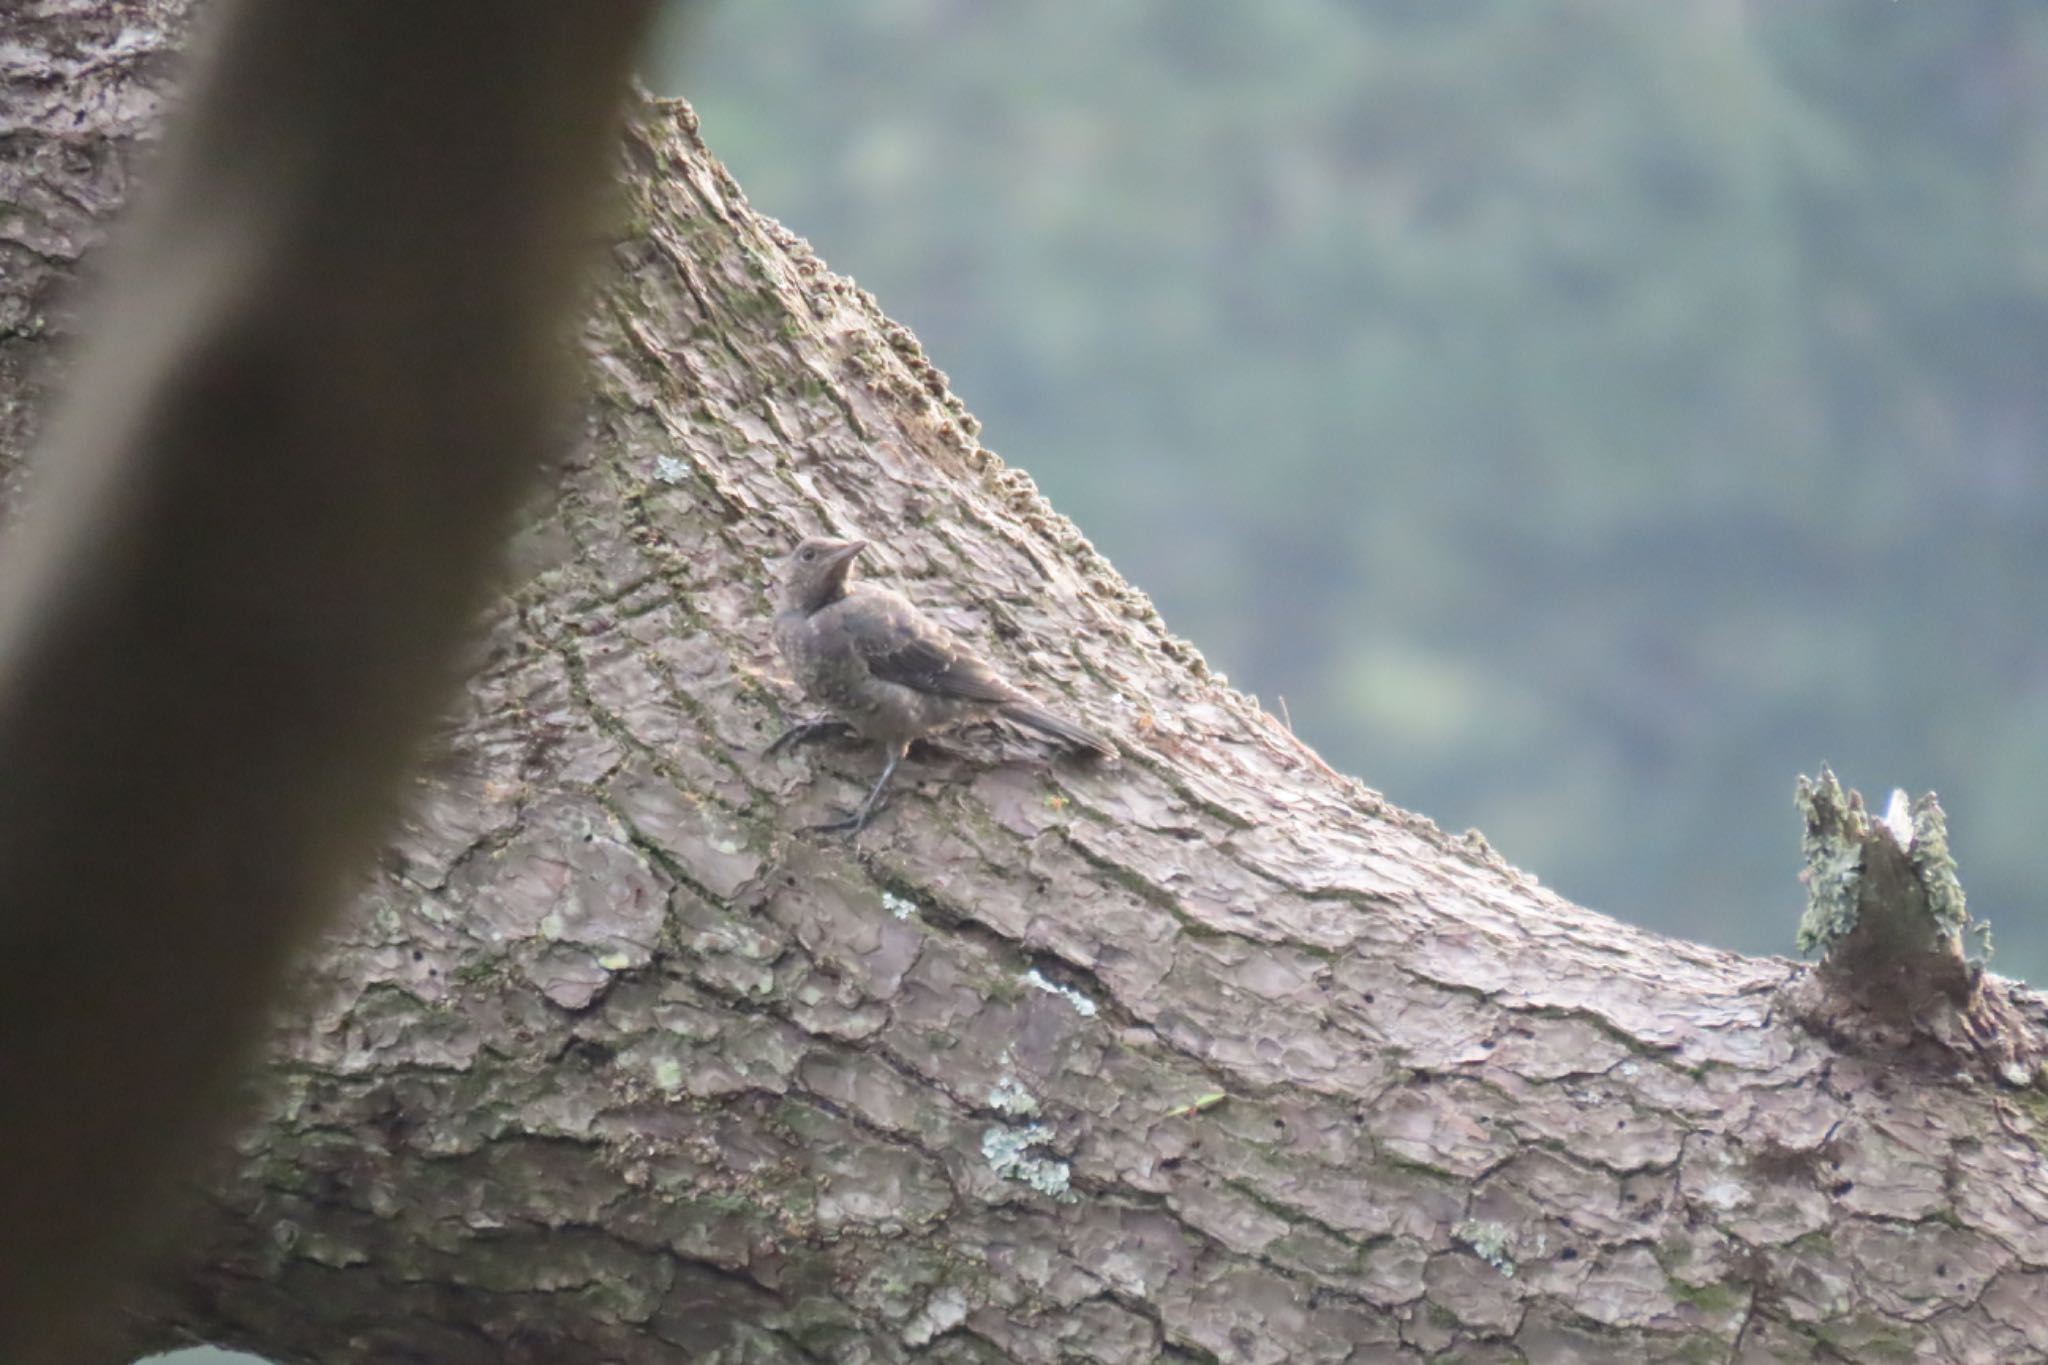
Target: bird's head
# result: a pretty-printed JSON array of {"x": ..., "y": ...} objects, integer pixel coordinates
[{"x": 814, "y": 574}]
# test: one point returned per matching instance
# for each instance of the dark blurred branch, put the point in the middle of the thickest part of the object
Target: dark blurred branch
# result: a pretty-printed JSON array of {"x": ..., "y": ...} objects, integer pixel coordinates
[{"x": 324, "y": 370}]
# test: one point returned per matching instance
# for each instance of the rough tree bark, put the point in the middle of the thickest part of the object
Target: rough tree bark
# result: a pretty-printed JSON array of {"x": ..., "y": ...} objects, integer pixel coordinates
[{"x": 1209, "y": 1054}]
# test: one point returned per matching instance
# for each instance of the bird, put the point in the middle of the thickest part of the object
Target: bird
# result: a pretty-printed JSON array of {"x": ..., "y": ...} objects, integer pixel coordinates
[{"x": 884, "y": 669}]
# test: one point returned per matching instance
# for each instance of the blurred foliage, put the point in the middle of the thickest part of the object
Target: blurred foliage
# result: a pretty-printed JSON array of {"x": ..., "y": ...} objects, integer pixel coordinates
[{"x": 1587, "y": 416}]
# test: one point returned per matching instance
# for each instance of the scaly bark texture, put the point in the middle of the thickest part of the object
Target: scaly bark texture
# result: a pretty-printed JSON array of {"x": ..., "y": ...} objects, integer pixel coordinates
[{"x": 1209, "y": 1054}]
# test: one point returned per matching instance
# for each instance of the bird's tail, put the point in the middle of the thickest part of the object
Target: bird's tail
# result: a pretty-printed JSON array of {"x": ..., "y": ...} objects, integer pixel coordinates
[{"x": 1046, "y": 723}]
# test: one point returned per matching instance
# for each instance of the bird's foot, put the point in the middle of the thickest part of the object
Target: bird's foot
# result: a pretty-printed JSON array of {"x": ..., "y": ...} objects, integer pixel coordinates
[
  {"x": 806, "y": 732},
  {"x": 856, "y": 822}
]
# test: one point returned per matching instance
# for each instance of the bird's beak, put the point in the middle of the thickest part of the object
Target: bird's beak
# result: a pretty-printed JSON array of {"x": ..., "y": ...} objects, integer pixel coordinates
[{"x": 845, "y": 553}]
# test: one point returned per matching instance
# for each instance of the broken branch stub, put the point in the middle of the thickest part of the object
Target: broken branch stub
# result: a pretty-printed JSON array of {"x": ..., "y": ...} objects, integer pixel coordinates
[
  {"x": 1885, "y": 911},
  {"x": 1882, "y": 897}
]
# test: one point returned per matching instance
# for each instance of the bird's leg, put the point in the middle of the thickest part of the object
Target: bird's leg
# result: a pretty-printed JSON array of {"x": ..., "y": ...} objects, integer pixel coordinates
[
  {"x": 806, "y": 731},
  {"x": 856, "y": 822}
]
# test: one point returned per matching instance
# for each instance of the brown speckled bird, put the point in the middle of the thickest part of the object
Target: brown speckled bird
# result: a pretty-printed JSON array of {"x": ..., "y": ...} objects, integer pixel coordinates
[{"x": 884, "y": 668}]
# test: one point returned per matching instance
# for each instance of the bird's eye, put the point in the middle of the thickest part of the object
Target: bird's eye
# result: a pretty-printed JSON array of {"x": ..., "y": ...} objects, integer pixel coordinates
[{"x": 807, "y": 555}]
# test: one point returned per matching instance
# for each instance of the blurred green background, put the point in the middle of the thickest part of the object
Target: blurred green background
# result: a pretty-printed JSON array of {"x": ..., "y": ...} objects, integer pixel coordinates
[{"x": 1588, "y": 416}]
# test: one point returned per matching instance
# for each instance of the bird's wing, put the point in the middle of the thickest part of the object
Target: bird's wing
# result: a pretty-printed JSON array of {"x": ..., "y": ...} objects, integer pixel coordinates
[{"x": 901, "y": 645}]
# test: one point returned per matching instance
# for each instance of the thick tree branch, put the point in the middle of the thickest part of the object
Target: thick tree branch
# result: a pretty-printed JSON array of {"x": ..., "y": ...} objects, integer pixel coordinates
[{"x": 614, "y": 1063}]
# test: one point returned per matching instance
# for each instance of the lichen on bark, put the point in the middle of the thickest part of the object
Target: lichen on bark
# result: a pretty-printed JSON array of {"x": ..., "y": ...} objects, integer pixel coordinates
[
  {"x": 1851, "y": 877},
  {"x": 1885, "y": 909}
]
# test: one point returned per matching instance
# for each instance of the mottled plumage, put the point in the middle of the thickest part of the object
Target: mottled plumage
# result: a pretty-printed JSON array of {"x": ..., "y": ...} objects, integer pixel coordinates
[{"x": 886, "y": 669}]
